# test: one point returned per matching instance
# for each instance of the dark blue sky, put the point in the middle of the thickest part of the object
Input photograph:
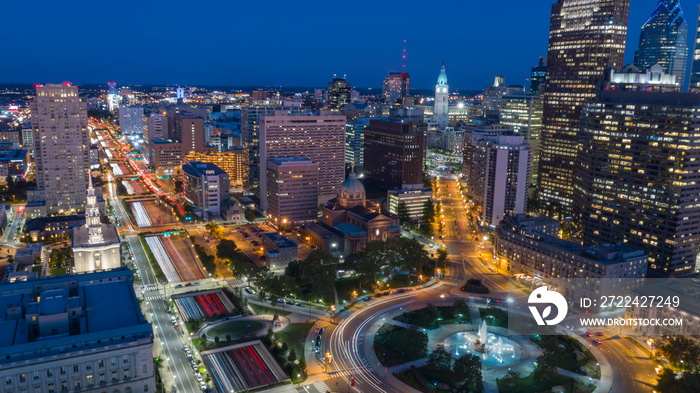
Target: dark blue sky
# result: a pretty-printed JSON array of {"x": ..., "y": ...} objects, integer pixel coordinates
[{"x": 290, "y": 43}]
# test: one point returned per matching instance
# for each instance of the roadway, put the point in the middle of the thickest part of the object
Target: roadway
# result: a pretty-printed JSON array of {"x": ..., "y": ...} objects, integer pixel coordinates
[{"x": 632, "y": 370}]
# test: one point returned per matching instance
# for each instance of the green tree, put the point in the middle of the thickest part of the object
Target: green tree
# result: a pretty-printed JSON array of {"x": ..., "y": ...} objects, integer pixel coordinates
[
  {"x": 510, "y": 377},
  {"x": 292, "y": 356},
  {"x": 546, "y": 367},
  {"x": 439, "y": 360},
  {"x": 416, "y": 342},
  {"x": 682, "y": 353},
  {"x": 671, "y": 382},
  {"x": 460, "y": 307},
  {"x": 413, "y": 255},
  {"x": 318, "y": 272},
  {"x": 442, "y": 258},
  {"x": 404, "y": 215},
  {"x": 428, "y": 214},
  {"x": 249, "y": 214},
  {"x": 293, "y": 269},
  {"x": 467, "y": 368}
]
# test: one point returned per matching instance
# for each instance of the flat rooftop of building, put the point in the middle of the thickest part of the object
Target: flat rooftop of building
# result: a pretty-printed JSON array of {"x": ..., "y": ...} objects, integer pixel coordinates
[
  {"x": 198, "y": 169},
  {"x": 279, "y": 240},
  {"x": 94, "y": 294},
  {"x": 39, "y": 224},
  {"x": 13, "y": 155},
  {"x": 650, "y": 98}
]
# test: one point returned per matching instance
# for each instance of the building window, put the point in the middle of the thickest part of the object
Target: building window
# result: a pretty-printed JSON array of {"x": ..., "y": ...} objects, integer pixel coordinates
[
  {"x": 76, "y": 382},
  {"x": 76, "y": 368},
  {"x": 22, "y": 378},
  {"x": 101, "y": 363},
  {"x": 63, "y": 370},
  {"x": 8, "y": 380},
  {"x": 114, "y": 360},
  {"x": 49, "y": 373},
  {"x": 127, "y": 373},
  {"x": 90, "y": 382},
  {"x": 36, "y": 375},
  {"x": 126, "y": 358},
  {"x": 115, "y": 376},
  {"x": 50, "y": 388},
  {"x": 102, "y": 378}
]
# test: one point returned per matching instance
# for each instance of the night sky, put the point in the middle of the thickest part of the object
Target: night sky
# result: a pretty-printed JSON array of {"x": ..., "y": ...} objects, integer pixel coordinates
[{"x": 285, "y": 43}]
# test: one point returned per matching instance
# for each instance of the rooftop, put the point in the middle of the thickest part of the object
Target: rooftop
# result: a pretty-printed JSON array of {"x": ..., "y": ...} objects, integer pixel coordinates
[
  {"x": 198, "y": 169},
  {"x": 59, "y": 314},
  {"x": 13, "y": 155},
  {"x": 81, "y": 236}
]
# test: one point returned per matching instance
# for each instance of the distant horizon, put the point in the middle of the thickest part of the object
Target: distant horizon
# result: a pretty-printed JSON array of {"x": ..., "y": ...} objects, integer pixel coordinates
[{"x": 283, "y": 44}]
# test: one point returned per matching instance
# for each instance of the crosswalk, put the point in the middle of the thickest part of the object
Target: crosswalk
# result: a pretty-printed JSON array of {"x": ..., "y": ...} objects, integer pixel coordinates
[
  {"x": 153, "y": 297},
  {"x": 151, "y": 287},
  {"x": 321, "y": 387}
]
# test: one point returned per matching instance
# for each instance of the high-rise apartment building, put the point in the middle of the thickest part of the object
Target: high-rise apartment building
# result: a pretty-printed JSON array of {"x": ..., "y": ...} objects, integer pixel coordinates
[
  {"x": 292, "y": 190},
  {"x": 205, "y": 185},
  {"x": 61, "y": 149},
  {"x": 476, "y": 130},
  {"x": 442, "y": 99},
  {"x": 500, "y": 177},
  {"x": 664, "y": 40},
  {"x": 338, "y": 93},
  {"x": 538, "y": 76},
  {"x": 522, "y": 112},
  {"x": 189, "y": 131},
  {"x": 131, "y": 120},
  {"x": 394, "y": 152},
  {"x": 585, "y": 38},
  {"x": 157, "y": 128},
  {"x": 637, "y": 176},
  {"x": 250, "y": 128},
  {"x": 396, "y": 87},
  {"x": 355, "y": 142},
  {"x": 319, "y": 138}
]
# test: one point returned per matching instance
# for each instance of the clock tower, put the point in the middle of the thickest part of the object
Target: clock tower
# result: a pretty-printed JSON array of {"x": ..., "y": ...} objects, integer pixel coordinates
[{"x": 442, "y": 101}]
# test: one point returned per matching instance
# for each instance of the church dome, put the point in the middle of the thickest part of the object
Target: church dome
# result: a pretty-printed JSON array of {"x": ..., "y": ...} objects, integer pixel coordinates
[{"x": 352, "y": 188}]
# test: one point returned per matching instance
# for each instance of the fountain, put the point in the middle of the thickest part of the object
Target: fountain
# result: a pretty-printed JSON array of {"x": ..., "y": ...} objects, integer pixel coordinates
[{"x": 493, "y": 349}]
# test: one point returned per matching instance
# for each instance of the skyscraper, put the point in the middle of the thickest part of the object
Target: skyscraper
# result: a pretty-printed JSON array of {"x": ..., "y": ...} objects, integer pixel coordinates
[
  {"x": 585, "y": 38},
  {"x": 131, "y": 120},
  {"x": 61, "y": 149},
  {"x": 250, "y": 126},
  {"x": 637, "y": 175},
  {"x": 523, "y": 112},
  {"x": 395, "y": 87},
  {"x": 694, "y": 86},
  {"x": 292, "y": 190},
  {"x": 338, "y": 93},
  {"x": 394, "y": 152},
  {"x": 442, "y": 99},
  {"x": 538, "y": 76},
  {"x": 320, "y": 139},
  {"x": 500, "y": 176},
  {"x": 664, "y": 40}
]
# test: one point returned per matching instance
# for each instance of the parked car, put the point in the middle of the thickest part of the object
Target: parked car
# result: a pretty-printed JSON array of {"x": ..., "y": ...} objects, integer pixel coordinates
[
  {"x": 299, "y": 305},
  {"x": 280, "y": 300},
  {"x": 366, "y": 298},
  {"x": 290, "y": 301},
  {"x": 401, "y": 291}
]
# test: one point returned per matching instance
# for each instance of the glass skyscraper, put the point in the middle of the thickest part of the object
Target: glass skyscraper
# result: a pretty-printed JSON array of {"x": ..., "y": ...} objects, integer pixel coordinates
[
  {"x": 585, "y": 38},
  {"x": 664, "y": 40}
]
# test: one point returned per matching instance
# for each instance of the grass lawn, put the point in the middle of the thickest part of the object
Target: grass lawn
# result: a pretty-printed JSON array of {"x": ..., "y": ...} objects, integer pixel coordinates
[
  {"x": 37, "y": 270},
  {"x": 345, "y": 286},
  {"x": 389, "y": 345},
  {"x": 268, "y": 310},
  {"x": 234, "y": 329},
  {"x": 566, "y": 359},
  {"x": 494, "y": 316},
  {"x": 447, "y": 318},
  {"x": 295, "y": 335},
  {"x": 531, "y": 385},
  {"x": 55, "y": 272}
]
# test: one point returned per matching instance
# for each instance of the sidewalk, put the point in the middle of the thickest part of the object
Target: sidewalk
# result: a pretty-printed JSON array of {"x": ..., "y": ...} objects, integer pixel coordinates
[{"x": 604, "y": 384}]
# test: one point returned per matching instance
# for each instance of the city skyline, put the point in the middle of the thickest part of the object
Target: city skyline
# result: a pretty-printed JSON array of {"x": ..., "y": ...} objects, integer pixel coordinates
[{"x": 174, "y": 53}]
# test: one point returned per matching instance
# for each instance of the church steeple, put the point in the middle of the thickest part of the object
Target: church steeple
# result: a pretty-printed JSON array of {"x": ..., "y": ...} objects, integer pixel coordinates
[{"x": 92, "y": 215}]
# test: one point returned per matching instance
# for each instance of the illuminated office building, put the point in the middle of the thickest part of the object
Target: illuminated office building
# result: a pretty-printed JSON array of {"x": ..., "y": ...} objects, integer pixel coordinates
[
  {"x": 395, "y": 88},
  {"x": 522, "y": 112},
  {"x": 585, "y": 38},
  {"x": 338, "y": 93},
  {"x": 538, "y": 76},
  {"x": 637, "y": 176}
]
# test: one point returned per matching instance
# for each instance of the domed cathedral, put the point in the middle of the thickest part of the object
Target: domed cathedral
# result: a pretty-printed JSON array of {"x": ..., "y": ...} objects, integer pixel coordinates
[{"x": 348, "y": 223}]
